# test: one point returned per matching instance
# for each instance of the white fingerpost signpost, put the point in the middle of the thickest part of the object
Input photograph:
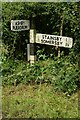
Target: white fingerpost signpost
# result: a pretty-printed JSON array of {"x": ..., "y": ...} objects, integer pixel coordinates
[
  {"x": 54, "y": 40},
  {"x": 20, "y": 25},
  {"x": 46, "y": 39}
]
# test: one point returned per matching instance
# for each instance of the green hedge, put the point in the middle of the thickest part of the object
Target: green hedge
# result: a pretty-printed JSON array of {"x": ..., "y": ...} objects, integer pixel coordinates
[{"x": 60, "y": 73}]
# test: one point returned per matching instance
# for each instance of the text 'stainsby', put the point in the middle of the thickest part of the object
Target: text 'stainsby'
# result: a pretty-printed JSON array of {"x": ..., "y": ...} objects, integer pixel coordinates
[
  {"x": 51, "y": 40},
  {"x": 54, "y": 40}
]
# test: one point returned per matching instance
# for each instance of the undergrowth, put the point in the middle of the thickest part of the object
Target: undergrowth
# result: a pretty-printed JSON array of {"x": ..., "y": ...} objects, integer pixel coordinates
[{"x": 60, "y": 73}]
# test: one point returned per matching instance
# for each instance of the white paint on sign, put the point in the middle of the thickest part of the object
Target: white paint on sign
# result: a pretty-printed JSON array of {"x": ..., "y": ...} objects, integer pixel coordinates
[
  {"x": 32, "y": 35},
  {"x": 54, "y": 40},
  {"x": 20, "y": 25}
]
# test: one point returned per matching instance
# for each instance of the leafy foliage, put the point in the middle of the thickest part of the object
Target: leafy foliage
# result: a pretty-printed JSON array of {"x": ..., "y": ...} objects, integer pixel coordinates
[
  {"x": 62, "y": 73},
  {"x": 47, "y": 18}
]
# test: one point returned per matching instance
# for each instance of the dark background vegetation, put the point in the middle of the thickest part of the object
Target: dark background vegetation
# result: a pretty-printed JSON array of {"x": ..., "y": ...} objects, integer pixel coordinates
[{"x": 62, "y": 73}]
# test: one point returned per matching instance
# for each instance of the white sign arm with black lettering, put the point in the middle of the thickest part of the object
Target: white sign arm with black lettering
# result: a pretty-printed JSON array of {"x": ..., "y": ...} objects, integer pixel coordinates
[
  {"x": 54, "y": 40},
  {"x": 20, "y": 25}
]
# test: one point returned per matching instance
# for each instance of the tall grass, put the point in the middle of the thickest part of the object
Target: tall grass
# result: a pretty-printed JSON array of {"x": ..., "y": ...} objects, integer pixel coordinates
[
  {"x": 60, "y": 73},
  {"x": 37, "y": 101}
]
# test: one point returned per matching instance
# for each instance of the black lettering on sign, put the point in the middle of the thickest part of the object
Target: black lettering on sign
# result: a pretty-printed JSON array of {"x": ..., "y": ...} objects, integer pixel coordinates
[
  {"x": 52, "y": 42},
  {"x": 42, "y": 36},
  {"x": 60, "y": 39},
  {"x": 25, "y": 27},
  {"x": 45, "y": 36},
  {"x": 22, "y": 22},
  {"x": 19, "y": 23},
  {"x": 49, "y": 42},
  {"x": 45, "y": 41},
  {"x": 13, "y": 27},
  {"x": 19, "y": 27},
  {"x": 41, "y": 41},
  {"x": 53, "y": 38},
  {"x": 57, "y": 38},
  {"x": 61, "y": 43},
  {"x": 57, "y": 43},
  {"x": 66, "y": 44},
  {"x": 66, "y": 39},
  {"x": 48, "y": 37}
]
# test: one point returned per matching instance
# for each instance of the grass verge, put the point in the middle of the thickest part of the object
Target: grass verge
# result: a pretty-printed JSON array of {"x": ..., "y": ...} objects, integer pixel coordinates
[{"x": 37, "y": 101}]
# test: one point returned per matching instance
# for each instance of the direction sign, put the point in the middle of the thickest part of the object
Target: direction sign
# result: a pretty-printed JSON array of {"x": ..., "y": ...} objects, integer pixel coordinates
[
  {"x": 20, "y": 25},
  {"x": 54, "y": 40}
]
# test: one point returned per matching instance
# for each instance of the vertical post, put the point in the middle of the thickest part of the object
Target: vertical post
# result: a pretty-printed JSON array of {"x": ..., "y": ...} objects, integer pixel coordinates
[
  {"x": 58, "y": 51},
  {"x": 28, "y": 52},
  {"x": 32, "y": 42},
  {"x": 61, "y": 30}
]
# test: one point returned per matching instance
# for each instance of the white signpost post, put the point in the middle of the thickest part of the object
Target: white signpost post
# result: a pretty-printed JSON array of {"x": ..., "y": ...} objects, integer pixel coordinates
[
  {"x": 32, "y": 45},
  {"x": 20, "y": 25},
  {"x": 54, "y": 40}
]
